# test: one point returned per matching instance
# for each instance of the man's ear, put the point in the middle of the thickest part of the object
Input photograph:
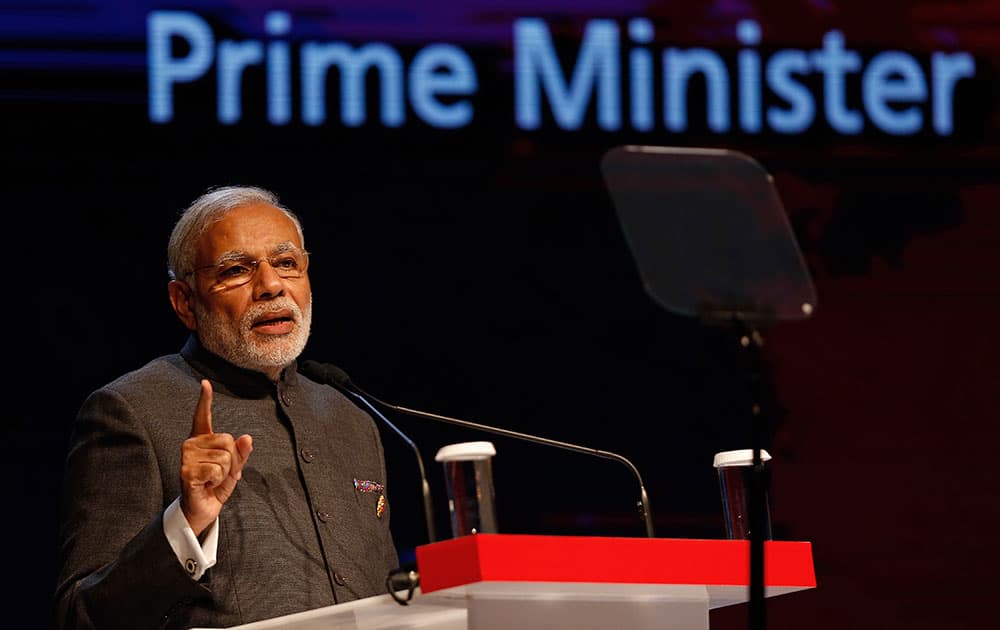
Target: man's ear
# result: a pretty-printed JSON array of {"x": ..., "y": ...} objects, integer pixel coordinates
[{"x": 181, "y": 298}]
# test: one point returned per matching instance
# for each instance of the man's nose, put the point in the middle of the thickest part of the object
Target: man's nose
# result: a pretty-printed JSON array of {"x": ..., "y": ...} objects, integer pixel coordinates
[{"x": 267, "y": 283}]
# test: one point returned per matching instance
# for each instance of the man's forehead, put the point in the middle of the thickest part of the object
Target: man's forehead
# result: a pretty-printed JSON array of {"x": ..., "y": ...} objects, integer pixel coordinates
[
  {"x": 256, "y": 230},
  {"x": 239, "y": 254}
]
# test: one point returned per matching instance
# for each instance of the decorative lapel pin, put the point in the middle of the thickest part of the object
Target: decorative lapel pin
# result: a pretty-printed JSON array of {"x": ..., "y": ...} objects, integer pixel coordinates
[
  {"x": 363, "y": 485},
  {"x": 371, "y": 487}
]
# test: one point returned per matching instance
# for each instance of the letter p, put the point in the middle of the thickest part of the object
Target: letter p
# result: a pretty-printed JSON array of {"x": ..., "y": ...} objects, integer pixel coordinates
[{"x": 165, "y": 70}]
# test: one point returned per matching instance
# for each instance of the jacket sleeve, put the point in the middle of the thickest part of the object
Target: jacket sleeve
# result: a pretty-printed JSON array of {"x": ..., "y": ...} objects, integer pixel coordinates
[{"x": 117, "y": 569}]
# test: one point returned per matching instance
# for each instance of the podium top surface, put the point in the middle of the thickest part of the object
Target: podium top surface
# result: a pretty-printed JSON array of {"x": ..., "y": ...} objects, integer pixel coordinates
[{"x": 529, "y": 558}]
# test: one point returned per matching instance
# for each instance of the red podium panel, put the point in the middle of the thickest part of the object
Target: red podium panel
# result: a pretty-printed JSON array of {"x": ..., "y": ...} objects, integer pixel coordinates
[
  {"x": 520, "y": 558},
  {"x": 591, "y": 583}
]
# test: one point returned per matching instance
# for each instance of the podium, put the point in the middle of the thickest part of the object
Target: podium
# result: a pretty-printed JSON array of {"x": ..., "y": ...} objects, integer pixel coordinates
[{"x": 494, "y": 581}]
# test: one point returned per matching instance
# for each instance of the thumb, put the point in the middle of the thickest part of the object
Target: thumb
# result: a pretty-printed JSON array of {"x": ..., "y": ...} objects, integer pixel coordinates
[
  {"x": 244, "y": 444},
  {"x": 202, "y": 424}
]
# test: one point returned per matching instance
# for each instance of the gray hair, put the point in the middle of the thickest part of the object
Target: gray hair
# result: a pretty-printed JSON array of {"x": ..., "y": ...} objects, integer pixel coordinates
[{"x": 182, "y": 250}]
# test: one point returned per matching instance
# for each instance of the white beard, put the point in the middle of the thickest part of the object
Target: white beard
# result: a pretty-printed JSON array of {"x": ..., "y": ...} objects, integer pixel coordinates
[{"x": 242, "y": 347}]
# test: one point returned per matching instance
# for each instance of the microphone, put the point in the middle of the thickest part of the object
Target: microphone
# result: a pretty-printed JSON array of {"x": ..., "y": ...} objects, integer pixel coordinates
[
  {"x": 643, "y": 503},
  {"x": 329, "y": 374}
]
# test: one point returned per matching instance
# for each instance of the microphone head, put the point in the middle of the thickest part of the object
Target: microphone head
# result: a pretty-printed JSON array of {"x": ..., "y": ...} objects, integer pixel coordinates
[{"x": 326, "y": 373}]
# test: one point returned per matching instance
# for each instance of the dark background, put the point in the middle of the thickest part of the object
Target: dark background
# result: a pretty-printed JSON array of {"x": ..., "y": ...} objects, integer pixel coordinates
[{"x": 482, "y": 273}]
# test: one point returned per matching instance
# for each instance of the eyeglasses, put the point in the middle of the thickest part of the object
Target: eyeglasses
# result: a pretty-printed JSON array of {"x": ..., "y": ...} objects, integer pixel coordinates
[{"x": 239, "y": 270}]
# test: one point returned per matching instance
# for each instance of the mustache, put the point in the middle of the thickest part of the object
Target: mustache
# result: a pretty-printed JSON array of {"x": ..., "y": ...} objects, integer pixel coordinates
[{"x": 257, "y": 311}]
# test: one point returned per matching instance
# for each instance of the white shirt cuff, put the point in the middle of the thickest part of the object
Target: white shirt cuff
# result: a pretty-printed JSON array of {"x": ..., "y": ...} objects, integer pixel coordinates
[{"x": 195, "y": 557}]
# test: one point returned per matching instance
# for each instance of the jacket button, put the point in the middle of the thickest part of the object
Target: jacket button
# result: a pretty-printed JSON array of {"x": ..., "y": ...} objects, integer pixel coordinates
[
  {"x": 339, "y": 578},
  {"x": 307, "y": 454},
  {"x": 323, "y": 516},
  {"x": 285, "y": 398}
]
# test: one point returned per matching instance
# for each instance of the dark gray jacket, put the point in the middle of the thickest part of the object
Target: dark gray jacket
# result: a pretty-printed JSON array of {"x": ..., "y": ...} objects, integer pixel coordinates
[{"x": 298, "y": 532}]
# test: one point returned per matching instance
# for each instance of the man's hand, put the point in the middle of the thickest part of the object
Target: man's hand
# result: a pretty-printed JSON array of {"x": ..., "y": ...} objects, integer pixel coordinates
[{"x": 211, "y": 464}]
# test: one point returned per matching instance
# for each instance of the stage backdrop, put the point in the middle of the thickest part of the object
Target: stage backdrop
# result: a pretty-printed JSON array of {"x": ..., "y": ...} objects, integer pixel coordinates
[{"x": 468, "y": 260}]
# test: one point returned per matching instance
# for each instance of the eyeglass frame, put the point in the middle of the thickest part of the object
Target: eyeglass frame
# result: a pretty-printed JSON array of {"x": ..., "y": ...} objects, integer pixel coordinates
[{"x": 240, "y": 258}]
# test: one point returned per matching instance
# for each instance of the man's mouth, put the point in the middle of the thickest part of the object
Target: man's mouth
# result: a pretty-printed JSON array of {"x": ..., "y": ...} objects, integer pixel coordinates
[{"x": 274, "y": 324}]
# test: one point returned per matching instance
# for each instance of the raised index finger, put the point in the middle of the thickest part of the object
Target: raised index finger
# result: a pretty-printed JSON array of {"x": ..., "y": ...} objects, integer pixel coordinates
[{"x": 203, "y": 412}]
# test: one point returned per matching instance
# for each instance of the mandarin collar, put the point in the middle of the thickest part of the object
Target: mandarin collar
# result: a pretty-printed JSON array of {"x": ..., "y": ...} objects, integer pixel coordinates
[{"x": 241, "y": 380}]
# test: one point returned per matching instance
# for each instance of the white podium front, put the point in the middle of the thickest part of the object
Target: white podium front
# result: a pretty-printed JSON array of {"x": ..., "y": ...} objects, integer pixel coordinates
[
  {"x": 374, "y": 613},
  {"x": 501, "y": 581}
]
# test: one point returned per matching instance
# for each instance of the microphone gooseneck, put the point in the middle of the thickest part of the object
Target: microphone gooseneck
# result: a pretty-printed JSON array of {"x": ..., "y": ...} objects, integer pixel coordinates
[
  {"x": 330, "y": 374},
  {"x": 643, "y": 503}
]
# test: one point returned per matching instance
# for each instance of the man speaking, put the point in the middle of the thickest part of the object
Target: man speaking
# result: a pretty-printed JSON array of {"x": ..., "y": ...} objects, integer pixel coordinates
[{"x": 218, "y": 486}]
